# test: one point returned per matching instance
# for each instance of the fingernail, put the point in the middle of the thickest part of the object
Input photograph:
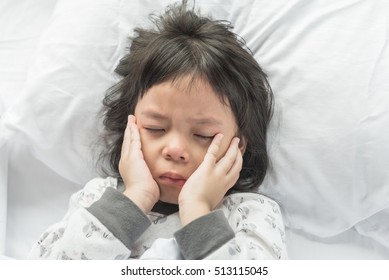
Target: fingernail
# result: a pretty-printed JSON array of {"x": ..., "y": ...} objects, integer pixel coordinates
[{"x": 220, "y": 136}]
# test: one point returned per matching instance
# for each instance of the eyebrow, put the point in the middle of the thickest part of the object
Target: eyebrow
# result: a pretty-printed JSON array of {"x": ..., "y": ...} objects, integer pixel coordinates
[
  {"x": 196, "y": 120},
  {"x": 205, "y": 121},
  {"x": 153, "y": 115}
]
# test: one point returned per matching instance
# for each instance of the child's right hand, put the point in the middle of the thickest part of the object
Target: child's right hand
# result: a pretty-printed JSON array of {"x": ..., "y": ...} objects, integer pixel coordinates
[{"x": 139, "y": 184}]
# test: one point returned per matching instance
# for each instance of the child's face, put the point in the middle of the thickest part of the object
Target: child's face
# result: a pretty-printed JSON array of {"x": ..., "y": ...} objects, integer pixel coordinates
[{"x": 177, "y": 122}]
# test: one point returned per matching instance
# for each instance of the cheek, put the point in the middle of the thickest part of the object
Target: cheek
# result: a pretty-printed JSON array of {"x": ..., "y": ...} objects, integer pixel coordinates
[
  {"x": 198, "y": 156},
  {"x": 147, "y": 148}
]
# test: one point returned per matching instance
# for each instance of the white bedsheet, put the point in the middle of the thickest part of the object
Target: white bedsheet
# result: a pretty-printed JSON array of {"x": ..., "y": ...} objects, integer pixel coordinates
[{"x": 3, "y": 195}]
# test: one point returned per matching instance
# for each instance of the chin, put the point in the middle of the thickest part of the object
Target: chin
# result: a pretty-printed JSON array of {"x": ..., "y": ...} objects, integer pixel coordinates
[
  {"x": 169, "y": 194},
  {"x": 169, "y": 197}
]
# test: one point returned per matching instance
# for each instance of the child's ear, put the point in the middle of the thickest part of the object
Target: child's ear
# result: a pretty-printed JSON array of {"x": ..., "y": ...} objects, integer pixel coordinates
[{"x": 242, "y": 145}]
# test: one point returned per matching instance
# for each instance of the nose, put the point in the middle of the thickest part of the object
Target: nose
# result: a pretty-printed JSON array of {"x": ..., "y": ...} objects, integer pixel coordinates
[{"x": 176, "y": 149}]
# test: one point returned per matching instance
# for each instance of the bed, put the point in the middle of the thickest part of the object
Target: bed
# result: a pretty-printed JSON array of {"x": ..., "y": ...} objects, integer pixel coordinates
[{"x": 328, "y": 65}]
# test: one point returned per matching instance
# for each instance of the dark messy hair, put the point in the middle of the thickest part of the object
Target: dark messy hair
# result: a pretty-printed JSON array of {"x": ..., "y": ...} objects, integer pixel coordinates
[{"x": 183, "y": 43}]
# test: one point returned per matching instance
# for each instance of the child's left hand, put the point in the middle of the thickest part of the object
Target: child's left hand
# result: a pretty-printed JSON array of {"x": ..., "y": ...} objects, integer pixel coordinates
[{"x": 207, "y": 186}]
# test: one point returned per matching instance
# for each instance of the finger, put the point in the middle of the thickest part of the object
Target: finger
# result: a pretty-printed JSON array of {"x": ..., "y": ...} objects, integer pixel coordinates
[
  {"x": 126, "y": 139},
  {"x": 228, "y": 160},
  {"x": 234, "y": 172},
  {"x": 135, "y": 137},
  {"x": 213, "y": 149}
]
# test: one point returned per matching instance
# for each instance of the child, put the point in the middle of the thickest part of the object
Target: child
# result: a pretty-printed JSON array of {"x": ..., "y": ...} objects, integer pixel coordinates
[{"x": 185, "y": 134}]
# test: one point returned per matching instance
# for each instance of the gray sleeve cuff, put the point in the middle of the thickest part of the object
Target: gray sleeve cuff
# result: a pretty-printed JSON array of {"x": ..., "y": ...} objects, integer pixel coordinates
[
  {"x": 204, "y": 235},
  {"x": 121, "y": 216}
]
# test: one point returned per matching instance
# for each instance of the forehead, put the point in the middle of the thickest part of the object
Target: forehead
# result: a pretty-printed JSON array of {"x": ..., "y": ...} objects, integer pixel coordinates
[{"x": 192, "y": 98}]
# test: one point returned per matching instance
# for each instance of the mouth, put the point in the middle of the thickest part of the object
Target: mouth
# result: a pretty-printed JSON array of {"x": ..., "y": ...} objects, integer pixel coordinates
[{"x": 171, "y": 178}]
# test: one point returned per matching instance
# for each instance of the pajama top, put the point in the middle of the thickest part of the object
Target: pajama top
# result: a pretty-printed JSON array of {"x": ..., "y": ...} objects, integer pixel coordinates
[{"x": 102, "y": 223}]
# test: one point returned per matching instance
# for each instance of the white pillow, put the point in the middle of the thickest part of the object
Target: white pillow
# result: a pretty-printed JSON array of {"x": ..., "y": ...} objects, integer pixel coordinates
[
  {"x": 329, "y": 72},
  {"x": 72, "y": 68},
  {"x": 327, "y": 64}
]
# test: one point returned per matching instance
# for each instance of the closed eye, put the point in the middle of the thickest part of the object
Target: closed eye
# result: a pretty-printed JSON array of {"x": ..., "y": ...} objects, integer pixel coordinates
[
  {"x": 154, "y": 130},
  {"x": 204, "y": 137}
]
